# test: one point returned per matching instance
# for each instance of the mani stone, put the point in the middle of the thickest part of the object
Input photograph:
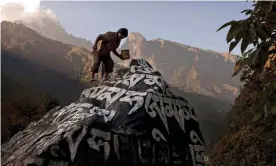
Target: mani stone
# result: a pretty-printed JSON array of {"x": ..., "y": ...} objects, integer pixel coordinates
[{"x": 133, "y": 120}]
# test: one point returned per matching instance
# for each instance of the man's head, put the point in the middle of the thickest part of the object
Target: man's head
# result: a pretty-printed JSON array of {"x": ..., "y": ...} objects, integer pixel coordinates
[{"x": 122, "y": 33}]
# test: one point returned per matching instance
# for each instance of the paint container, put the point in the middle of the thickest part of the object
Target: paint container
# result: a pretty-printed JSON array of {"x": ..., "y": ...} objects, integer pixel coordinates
[{"x": 125, "y": 54}]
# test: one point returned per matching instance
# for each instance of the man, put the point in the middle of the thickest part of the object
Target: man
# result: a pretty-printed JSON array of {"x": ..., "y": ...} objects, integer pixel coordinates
[{"x": 104, "y": 44}]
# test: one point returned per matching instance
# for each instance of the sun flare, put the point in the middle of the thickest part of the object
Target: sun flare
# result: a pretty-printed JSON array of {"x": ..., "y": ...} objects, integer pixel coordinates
[{"x": 29, "y": 5}]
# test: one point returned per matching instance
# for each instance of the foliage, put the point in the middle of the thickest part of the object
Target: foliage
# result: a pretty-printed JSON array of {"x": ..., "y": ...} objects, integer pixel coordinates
[
  {"x": 48, "y": 102},
  {"x": 19, "y": 110},
  {"x": 258, "y": 30},
  {"x": 250, "y": 136}
]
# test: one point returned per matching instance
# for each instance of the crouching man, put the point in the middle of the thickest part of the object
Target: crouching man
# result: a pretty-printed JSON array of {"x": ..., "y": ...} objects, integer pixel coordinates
[{"x": 104, "y": 44}]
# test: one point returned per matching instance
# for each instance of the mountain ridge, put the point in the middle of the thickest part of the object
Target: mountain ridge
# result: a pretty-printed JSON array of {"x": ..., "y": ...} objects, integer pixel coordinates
[
  {"x": 187, "y": 66},
  {"x": 186, "y": 76},
  {"x": 44, "y": 21},
  {"x": 162, "y": 40}
]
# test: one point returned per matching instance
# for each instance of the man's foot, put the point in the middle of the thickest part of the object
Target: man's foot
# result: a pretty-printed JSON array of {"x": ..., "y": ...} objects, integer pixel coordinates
[
  {"x": 105, "y": 76},
  {"x": 104, "y": 79},
  {"x": 92, "y": 80},
  {"x": 92, "y": 77}
]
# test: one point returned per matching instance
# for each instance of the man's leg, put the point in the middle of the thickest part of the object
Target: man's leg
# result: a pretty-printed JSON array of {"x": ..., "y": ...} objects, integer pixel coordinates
[
  {"x": 105, "y": 76},
  {"x": 95, "y": 67},
  {"x": 101, "y": 69},
  {"x": 109, "y": 64}
]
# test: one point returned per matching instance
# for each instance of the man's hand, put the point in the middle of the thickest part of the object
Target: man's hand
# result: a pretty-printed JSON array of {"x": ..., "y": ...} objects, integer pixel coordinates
[
  {"x": 94, "y": 47},
  {"x": 117, "y": 54},
  {"x": 120, "y": 56}
]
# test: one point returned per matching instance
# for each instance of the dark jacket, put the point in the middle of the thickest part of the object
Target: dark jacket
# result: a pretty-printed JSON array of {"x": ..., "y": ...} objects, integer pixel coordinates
[{"x": 106, "y": 43}]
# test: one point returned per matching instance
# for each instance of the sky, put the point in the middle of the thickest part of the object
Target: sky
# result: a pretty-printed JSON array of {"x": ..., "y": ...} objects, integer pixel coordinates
[{"x": 189, "y": 22}]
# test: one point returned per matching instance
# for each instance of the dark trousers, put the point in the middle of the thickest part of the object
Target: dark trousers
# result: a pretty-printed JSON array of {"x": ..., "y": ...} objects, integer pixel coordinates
[{"x": 105, "y": 59}]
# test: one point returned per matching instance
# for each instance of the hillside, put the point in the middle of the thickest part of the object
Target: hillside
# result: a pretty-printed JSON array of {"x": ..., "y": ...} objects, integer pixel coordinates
[
  {"x": 32, "y": 66},
  {"x": 250, "y": 133},
  {"x": 20, "y": 105},
  {"x": 189, "y": 68},
  {"x": 53, "y": 30},
  {"x": 40, "y": 78},
  {"x": 210, "y": 111},
  {"x": 251, "y": 128},
  {"x": 43, "y": 21},
  {"x": 26, "y": 43}
]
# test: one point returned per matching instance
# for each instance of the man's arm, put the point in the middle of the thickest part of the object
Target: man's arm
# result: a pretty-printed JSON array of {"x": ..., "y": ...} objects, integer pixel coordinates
[
  {"x": 107, "y": 37},
  {"x": 116, "y": 53},
  {"x": 100, "y": 37}
]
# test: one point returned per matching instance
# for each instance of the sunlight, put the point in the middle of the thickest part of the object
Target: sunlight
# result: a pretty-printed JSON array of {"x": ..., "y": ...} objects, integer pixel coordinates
[{"x": 30, "y": 6}]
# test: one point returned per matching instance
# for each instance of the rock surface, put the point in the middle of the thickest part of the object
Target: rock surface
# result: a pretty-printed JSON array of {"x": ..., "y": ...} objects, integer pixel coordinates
[{"x": 135, "y": 120}]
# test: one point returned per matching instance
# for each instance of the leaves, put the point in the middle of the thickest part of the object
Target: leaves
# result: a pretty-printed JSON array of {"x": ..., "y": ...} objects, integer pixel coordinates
[
  {"x": 240, "y": 64},
  {"x": 244, "y": 31},
  {"x": 48, "y": 102},
  {"x": 247, "y": 52},
  {"x": 234, "y": 30},
  {"x": 262, "y": 34},
  {"x": 265, "y": 108},
  {"x": 233, "y": 45},
  {"x": 260, "y": 31},
  {"x": 272, "y": 50},
  {"x": 237, "y": 68},
  {"x": 225, "y": 25},
  {"x": 247, "y": 11},
  {"x": 252, "y": 32},
  {"x": 269, "y": 7},
  {"x": 264, "y": 55},
  {"x": 244, "y": 44},
  {"x": 257, "y": 115},
  {"x": 273, "y": 110},
  {"x": 254, "y": 55},
  {"x": 258, "y": 98}
]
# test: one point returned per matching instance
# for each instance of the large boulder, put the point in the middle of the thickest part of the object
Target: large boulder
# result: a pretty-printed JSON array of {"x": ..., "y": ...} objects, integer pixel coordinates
[{"x": 135, "y": 120}]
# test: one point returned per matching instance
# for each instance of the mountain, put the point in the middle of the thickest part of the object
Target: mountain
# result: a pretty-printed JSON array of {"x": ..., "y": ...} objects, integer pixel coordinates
[
  {"x": 189, "y": 68},
  {"x": 53, "y": 30},
  {"x": 44, "y": 21},
  {"x": 26, "y": 43},
  {"x": 190, "y": 71},
  {"x": 32, "y": 65}
]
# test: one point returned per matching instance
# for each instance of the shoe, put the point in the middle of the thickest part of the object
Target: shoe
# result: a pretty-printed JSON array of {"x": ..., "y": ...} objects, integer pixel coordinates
[{"x": 92, "y": 80}]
